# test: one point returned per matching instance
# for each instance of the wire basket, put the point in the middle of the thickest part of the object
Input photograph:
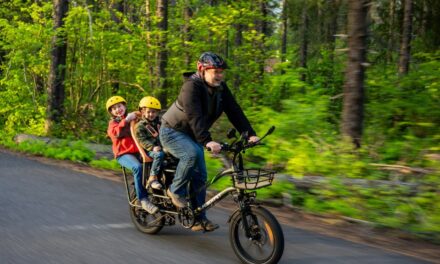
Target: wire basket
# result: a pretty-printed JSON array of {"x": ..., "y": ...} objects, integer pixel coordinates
[{"x": 251, "y": 179}]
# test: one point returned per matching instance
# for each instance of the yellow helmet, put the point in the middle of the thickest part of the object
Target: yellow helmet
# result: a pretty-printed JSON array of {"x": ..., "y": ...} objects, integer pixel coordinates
[
  {"x": 114, "y": 100},
  {"x": 150, "y": 102}
]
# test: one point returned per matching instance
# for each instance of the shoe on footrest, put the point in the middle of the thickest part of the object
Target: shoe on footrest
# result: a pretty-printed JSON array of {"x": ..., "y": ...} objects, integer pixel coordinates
[
  {"x": 205, "y": 225},
  {"x": 176, "y": 199},
  {"x": 156, "y": 185},
  {"x": 154, "y": 182},
  {"x": 149, "y": 206}
]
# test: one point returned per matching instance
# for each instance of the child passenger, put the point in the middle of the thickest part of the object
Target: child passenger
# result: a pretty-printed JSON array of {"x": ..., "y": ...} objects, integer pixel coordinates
[
  {"x": 124, "y": 147},
  {"x": 147, "y": 133}
]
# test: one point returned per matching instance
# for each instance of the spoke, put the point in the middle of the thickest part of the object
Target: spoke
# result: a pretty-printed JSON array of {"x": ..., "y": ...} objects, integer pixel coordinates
[{"x": 258, "y": 249}]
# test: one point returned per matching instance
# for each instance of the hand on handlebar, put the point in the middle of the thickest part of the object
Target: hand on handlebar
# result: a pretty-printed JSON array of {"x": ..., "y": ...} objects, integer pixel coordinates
[
  {"x": 253, "y": 139},
  {"x": 214, "y": 147}
]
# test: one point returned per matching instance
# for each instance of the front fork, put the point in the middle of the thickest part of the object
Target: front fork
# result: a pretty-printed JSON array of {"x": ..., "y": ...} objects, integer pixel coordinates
[{"x": 245, "y": 201}]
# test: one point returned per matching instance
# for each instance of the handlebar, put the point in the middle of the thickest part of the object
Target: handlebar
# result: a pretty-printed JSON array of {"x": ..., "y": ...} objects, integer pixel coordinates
[{"x": 242, "y": 143}]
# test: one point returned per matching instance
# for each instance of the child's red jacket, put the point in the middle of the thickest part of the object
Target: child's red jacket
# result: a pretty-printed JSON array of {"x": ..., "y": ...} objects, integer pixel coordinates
[{"x": 119, "y": 133}]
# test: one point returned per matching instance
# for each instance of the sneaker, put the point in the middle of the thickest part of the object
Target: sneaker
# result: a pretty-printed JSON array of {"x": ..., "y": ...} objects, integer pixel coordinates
[
  {"x": 155, "y": 184},
  {"x": 177, "y": 201},
  {"x": 149, "y": 206},
  {"x": 205, "y": 225}
]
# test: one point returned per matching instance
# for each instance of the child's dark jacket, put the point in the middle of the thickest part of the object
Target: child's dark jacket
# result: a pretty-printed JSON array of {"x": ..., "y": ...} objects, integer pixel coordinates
[{"x": 146, "y": 138}]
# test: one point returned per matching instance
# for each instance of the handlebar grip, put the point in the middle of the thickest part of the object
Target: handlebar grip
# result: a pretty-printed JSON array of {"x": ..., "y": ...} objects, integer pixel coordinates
[{"x": 223, "y": 147}]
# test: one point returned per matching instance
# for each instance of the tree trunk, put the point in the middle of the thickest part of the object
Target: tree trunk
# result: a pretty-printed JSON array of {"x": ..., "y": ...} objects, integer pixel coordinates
[
  {"x": 405, "y": 44},
  {"x": 284, "y": 31},
  {"x": 187, "y": 37},
  {"x": 238, "y": 42},
  {"x": 434, "y": 24},
  {"x": 332, "y": 26},
  {"x": 353, "y": 105},
  {"x": 119, "y": 7},
  {"x": 2, "y": 59},
  {"x": 264, "y": 31},
  {"x": 304, "y": 42},
  {"x": 390, "y": 46},
  {"x": 55, "y": 102},
  {"x": 284, "y": 24},
  {"x": 162, "y": 55},
  {"x": 226, "y": 47},
  {"x": 148, "y": 39},
  {"x": 117, "y": 11}
]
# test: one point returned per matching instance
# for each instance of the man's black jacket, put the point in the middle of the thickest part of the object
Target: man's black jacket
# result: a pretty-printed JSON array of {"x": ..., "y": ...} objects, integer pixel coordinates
[{"x": 196, "y": 109}]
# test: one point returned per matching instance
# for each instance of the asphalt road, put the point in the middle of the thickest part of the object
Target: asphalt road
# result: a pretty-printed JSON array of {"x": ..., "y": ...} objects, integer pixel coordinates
[{"x": 50, "y": 214}]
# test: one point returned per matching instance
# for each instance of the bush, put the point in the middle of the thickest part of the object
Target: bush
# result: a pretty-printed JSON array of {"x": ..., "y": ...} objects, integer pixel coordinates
[{"x": 106, "y": 164}]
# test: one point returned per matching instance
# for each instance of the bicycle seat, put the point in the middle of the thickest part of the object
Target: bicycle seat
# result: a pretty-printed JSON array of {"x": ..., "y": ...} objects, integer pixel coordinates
[{"x": 144, "y": 156}]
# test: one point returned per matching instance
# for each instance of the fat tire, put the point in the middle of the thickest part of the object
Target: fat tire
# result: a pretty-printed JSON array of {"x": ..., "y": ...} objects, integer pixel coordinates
[
  {"x": 271, "y": 223},
  {"x": 137, "y": 217}
]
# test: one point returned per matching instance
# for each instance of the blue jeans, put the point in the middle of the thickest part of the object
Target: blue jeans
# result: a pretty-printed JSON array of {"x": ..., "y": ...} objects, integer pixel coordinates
[
  {"x": 157, "y": 157},
  {"x": 130, "y": 162},
  {"x": 191, "y": 166}
]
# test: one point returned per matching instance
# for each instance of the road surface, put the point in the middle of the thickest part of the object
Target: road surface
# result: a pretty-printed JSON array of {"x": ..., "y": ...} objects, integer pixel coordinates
[{"x": 50, "y": 214}]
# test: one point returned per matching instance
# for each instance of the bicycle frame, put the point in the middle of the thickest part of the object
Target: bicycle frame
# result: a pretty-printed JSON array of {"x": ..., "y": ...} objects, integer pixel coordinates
[
  {"x": 238, "y": 147},
  {"x": 243, "y": 197}
]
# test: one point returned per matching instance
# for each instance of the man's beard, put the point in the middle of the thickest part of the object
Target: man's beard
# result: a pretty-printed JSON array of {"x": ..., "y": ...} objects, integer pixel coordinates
[{"x": 215, "y": 84}]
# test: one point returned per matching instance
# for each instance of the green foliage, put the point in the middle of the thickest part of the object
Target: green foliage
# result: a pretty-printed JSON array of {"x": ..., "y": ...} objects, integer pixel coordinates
[
  {"x": 64, "y": 150},
  {"x": 387, "y": 206},
  {"x": 106, "y": 164},
  {"x": 276, "y": 190},
  {"x": 214, "y": 166},
  {"x": 27, "y": 48}
]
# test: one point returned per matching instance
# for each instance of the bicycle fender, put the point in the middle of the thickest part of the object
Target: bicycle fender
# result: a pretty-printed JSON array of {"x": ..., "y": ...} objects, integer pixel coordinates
[{"x": 237, "y": 211}]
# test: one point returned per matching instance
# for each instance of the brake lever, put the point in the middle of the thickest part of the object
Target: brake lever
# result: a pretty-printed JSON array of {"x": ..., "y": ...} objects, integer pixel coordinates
[{"x": 252, "y": 144}]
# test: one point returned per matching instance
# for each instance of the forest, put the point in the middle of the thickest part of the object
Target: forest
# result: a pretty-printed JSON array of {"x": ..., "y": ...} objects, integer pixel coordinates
[{"x": 352, "y": 87}]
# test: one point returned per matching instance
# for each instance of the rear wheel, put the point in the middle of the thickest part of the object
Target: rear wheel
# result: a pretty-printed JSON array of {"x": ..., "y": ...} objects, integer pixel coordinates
[
  {"x": 145, "y": 222},
  {"x": 265, "y": 242}
]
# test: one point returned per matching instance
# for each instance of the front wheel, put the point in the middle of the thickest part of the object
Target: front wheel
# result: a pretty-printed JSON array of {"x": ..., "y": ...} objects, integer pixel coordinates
[{"x": 264, "y": 241}]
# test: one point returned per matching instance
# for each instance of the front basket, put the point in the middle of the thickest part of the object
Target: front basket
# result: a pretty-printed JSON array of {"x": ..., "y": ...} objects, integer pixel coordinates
[{"x": 251, "y": 179}]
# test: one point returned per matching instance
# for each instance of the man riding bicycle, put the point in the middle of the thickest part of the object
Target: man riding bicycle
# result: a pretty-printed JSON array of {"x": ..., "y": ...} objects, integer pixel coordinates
[{"x": 204, "y": 96}]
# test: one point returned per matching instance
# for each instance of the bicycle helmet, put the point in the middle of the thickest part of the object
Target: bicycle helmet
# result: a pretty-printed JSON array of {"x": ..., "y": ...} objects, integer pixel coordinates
[
  {"x": 150, "y": 102},
  {"x": 210, "y": 60},
  {"x": 114, "y": 100}
]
